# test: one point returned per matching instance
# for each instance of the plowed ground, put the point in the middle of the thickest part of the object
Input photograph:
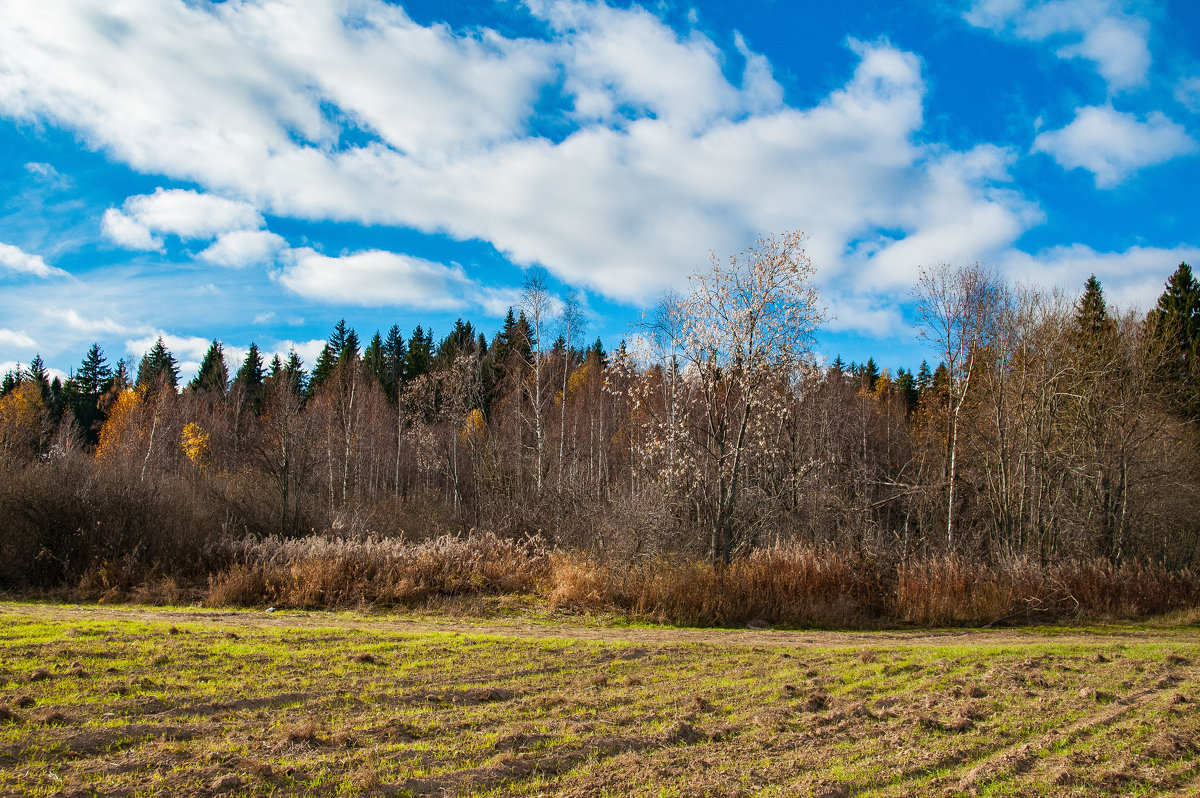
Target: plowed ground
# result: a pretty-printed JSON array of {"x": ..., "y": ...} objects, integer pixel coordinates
[{"x": 104, "y": 701}]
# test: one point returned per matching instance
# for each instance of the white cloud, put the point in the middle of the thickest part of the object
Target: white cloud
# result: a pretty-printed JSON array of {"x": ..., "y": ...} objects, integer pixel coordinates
[
  {"x": 1187, "y": 93},
  {"x": 90, "y": 326},
  {"x": 47, "y": 174},
  {"x": 375, "y": 278},
  {"x": 17, "y": 339},
  {"x": 1132, "y": 279},
  {"x": 127, "y": 232},
  {"x": 14, "y": 259},
  {"x": 348, "y": 110},
  {"x": 241, "y": 248},
  {"x": 867, "y": 315},
  {"x": 1096, "y": 30},
  {"x": 181, "y": 212},
  {"x": 1112, "y": 145},
  {"x": 189, "y": 348},
  {"x": 308, "y": 351},
  {"x": 265, "y": 318}
]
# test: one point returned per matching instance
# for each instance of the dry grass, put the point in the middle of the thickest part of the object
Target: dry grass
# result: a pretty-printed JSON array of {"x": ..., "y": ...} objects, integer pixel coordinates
[
  {"x": 318, "y": 571},
  {"x": 955, "y": 591},
  {"x": 792, "y": 586},
  {"x": 254, "y": 704}
]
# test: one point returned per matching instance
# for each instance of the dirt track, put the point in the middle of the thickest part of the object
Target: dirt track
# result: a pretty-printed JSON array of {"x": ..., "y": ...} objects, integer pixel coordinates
[{"x": 578, "y": 631}]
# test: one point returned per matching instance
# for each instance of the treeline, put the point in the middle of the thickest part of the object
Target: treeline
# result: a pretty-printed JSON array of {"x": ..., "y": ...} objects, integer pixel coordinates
[{"x": 1054, "y": 430}]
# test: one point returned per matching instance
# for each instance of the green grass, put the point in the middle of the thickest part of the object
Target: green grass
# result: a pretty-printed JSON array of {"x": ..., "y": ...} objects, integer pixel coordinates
[{"x": 185, "y": 702}]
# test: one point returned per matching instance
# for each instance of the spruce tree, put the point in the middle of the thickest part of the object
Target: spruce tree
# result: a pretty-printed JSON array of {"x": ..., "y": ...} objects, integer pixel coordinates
[
  {"x": 394, "y": 353},
  {"x": 374, "y": 360},
  {"x": 158, "y": 369},
  {"x": 293, "y": 371},
  {"x": 213, "y": 375},
  {"x": 250, "y": 378},
  {"x": 83, "y": 392},
  {"x": 1092, "y": 321},
  {"x": 924, "y": 378},
  {"x": 326, "y": 361},
  {"x": 419, "y": 357},
  {"x": 1175, "y": 328},
  {"x": 93, "y": 374}
]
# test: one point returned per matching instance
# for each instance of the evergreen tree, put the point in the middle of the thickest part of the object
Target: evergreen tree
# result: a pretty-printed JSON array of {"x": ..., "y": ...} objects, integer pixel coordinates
[
  {"x": 344, "y": 341},
  {"x": 93, "y": 374},
  {"x": 924, "y": 378},
  {"x": 868, "y": 374},
  {"x": 251, "y": 375},
  {"x": 461, "y": 340},
  {"x": 906, "y": 386},
  {"x": 837, "y": 368},
  {"x": 341, "y": 346},
  {"x": 1092, "y": 321},
  {"x": 326, "y": 361},
  {"x": 83, "y": 392},
  {"x": 1175, "y": 329},
  {"x": 419, "y": 358},
  {"x": 597, "y": 351},
  {"x": 38, "y": 374},
  {"x": 158, "y": 369},
  {"x": 250, "y": 379},
  {"x": 373, "y": 359},
  {"x": 293, "y": 371},
  {"x": 939, "y": 385},
  {"x": 394, "y": 354},
  {"x": 213, "y": 376}
]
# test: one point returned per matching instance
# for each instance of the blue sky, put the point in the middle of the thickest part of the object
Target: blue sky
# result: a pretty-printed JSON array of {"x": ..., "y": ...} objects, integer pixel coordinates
[{"x": 255, "y": 170}]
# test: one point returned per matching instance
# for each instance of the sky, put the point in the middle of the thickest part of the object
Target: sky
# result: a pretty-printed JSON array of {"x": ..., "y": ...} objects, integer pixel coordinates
[{"x": 255, "y": 170}]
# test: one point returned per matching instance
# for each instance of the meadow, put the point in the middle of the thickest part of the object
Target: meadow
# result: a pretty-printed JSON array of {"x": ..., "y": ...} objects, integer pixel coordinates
[{"x": 100, "y": 700}]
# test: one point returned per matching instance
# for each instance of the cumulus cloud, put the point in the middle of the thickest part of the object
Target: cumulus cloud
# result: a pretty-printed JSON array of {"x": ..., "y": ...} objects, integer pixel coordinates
[
  {"x": 144, "y": 218},
  {"x": 375, "y": 278},
  {"x": 659, "y": 145},
  {"x": 241, "y": 248},
  {"x": 1096, "y": 30},
  {"x": 1112, "y": 145},
  {"x": 1132, "y": 279},
  {"x": 14, "y": 259}
]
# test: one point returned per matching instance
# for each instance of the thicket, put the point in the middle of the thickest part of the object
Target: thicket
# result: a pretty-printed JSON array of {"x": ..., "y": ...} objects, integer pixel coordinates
[{"x": 711, "y": 473}]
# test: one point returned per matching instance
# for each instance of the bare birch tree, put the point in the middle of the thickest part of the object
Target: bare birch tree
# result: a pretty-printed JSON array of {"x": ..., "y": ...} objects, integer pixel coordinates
[{"x": 954, "y": 307}]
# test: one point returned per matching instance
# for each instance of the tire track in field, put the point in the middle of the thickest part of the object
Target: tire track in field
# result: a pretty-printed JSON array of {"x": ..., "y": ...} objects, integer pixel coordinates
[{"x": 1022, "y": 756}]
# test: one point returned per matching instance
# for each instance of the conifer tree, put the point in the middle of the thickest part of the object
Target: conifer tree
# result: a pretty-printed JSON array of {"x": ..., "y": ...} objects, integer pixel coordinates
[
  {"x": 326, "y": 361},
  {"x": 293, "y": 371},
  {"x": 419, "y": 357},
  {"x": 1175, "y": 328},
  {"x": 83, "y": 391},
  {"x": 394, "y": 353},
  {"x": 213, "y": 375},
  {"x": 158, "y": 369},
  {"x": 374, "y": 361}
]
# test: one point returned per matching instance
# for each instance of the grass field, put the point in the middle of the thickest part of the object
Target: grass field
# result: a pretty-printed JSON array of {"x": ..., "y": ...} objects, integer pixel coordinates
[{"x": 135, "y": 701}]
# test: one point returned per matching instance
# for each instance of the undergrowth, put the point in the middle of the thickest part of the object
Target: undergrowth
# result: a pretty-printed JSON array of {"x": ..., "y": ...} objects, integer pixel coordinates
[{"x": 786, "y": 586}]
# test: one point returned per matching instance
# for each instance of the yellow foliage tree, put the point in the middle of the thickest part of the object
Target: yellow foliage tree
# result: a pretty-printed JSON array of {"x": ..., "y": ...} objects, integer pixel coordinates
[
  {"x": 22, "y": 419},
  {"x": 122, "y": 422},
  {"x": 194, "y": 442}
]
